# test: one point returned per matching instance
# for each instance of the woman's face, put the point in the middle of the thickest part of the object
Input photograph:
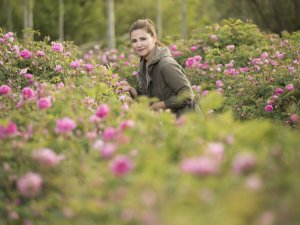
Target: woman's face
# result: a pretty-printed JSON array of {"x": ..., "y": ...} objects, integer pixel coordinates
[{"x": 142, "y": 42}]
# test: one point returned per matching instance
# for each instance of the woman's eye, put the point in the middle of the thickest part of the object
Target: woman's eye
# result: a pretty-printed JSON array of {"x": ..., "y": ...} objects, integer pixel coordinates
[{"x": 143, "y": 39}]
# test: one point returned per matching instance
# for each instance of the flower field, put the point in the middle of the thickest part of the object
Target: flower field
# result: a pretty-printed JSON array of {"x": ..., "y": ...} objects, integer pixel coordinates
[{"x": 76, "y": 150}]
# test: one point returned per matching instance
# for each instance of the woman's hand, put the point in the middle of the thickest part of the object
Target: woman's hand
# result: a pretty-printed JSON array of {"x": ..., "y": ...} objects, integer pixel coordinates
[
  {"x": 127, "y": 88},
  {"x": 158, "y": 106}
]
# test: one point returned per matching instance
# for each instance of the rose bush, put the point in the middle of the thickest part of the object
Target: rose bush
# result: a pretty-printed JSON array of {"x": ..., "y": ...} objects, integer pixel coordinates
[{"x": 235, "y": 58}]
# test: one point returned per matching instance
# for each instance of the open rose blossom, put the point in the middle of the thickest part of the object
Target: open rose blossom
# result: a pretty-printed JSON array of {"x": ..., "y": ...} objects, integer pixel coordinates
[
  {"x": 25, "y": 54},
  {"x": 40, "y": 53},
  {"x": 201, "y": 166},
  {"x": 219, "y": 84},
  {"x": 268, "y": 108},
  {"x": 121, "y": 166},
  {"x": 9, "y": 131},
  {"x": 89, "y": 67},
  {"x": 75, "y": 64},
  {"x": 294, "y": 118},
  {"x": 102, "y": 111},
  {"x": 57, "y": 47},
  {"x": 289, "y": 87},
  {"x": 279, "y": 91},
  {"x": 30, "y": 184},
  {"x": 230, "y": 48},
  {"x": 47, "y": 157},
  {"x": 107, "y": 150},
  {"x": 214, "y": 37},
  {"x": 65, "y": 125},
  {"x": 44, "y": 103},
  {"x": 28, "y": 93},
  {"x": 109, "y": 133},
  {"x": 4, "y": 89}
]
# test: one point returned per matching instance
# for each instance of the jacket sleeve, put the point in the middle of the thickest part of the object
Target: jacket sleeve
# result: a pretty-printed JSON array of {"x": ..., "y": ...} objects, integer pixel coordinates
[{"x": 175, "y": 78}]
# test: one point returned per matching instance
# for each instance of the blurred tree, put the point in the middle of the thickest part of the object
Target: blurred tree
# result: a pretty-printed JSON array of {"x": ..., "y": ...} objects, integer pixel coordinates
[
  {"x": 8, "y": 8},
  {"x": 111, "y": 36},
  {"x": 61, "y": 20},
  {"x": 271, "y": 15},
  {"x": 28, "y": 18},
  {"x": 85, "y": 21}
]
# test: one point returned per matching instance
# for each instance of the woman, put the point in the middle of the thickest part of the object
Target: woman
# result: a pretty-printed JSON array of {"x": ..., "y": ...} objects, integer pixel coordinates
[{"x": 159, "y": 75}]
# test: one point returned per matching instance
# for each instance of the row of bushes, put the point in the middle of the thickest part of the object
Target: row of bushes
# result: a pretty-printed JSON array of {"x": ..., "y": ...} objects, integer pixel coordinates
[{"x": 244, "y": 64}]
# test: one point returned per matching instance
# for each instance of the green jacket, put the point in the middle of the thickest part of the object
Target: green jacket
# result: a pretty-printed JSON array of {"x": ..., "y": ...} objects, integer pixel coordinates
[{"x": 164, "y": 79}]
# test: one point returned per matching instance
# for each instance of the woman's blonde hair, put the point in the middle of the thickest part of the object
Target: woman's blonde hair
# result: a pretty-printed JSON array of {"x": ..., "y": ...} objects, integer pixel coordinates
[{"x": 148, "y": 26}]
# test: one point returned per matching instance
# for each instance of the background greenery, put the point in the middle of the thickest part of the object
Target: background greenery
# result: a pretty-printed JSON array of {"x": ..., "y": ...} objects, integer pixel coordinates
[{"x": 86, "y": 20}]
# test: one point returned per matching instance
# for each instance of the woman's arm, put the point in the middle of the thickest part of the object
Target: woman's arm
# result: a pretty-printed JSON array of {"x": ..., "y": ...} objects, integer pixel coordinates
[{"x": 177, "y": 81}]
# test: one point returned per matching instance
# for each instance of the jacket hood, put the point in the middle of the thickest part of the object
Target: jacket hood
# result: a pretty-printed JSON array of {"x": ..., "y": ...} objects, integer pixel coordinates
[{"x": 160, "y": 52}]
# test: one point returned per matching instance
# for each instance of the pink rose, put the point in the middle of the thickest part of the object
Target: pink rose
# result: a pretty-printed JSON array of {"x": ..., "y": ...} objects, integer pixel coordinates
[
  {"x": 27, "y": 93},
  {"x": 194, "y": 48},
  {"x": 219, "y": 84},
  {"x": 58, "y": 68},
  {"x": 107, "y": 150},
  {"x": 28, "y": 76},
  {"x": 4, "y": 89},
  {"x": 47, "y": 157},
  {"x": 102, "y": 111},
  {"x": 121, "y": 166},
  {"x": 197, "y": 58},
  {"x": 173, "y": 47},
  {"x": 30, "y": 184},
  {"x": 25, "y": 54},
  {"x": 289, "y": 87},
  {"x": 44, "y": 103},
  {"x": 294, "y": 118},
  {"x": 109, "y": 133},
  {"x": 75, "y": 64},
  {"x": 10, "y": 130},
  {"x": 60, "y": 85},
  {"x": 202, "y": 166},
  {"x": 279, "y": 91},
  {"x": 264, "y": 55},
  {"x": 40, "y": 53},
  {"x": 65, "y": 125},
  {"x": 269, "y": 108},
  {"x": 189, "y": 62},
  {"x": 88, "y": 67},
  {"x": 57, "y": 47},
  {"x": 230, "y": 48},
  {"x": 214, "y": 37}
]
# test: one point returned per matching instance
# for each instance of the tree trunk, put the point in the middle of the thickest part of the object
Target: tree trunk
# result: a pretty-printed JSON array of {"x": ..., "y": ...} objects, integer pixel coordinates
[
  {"x": 25, "y": 15},
  {"x": 61, "y": 20},
  {"x": 111, "y": 37},
  {"x": 158, "y": 19},
  {"x": 30, "y": 14},
  {"x": 8, "y": 7},
  {"x": 28, "y": 19},
  {"x": 183, "y": 19}
]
